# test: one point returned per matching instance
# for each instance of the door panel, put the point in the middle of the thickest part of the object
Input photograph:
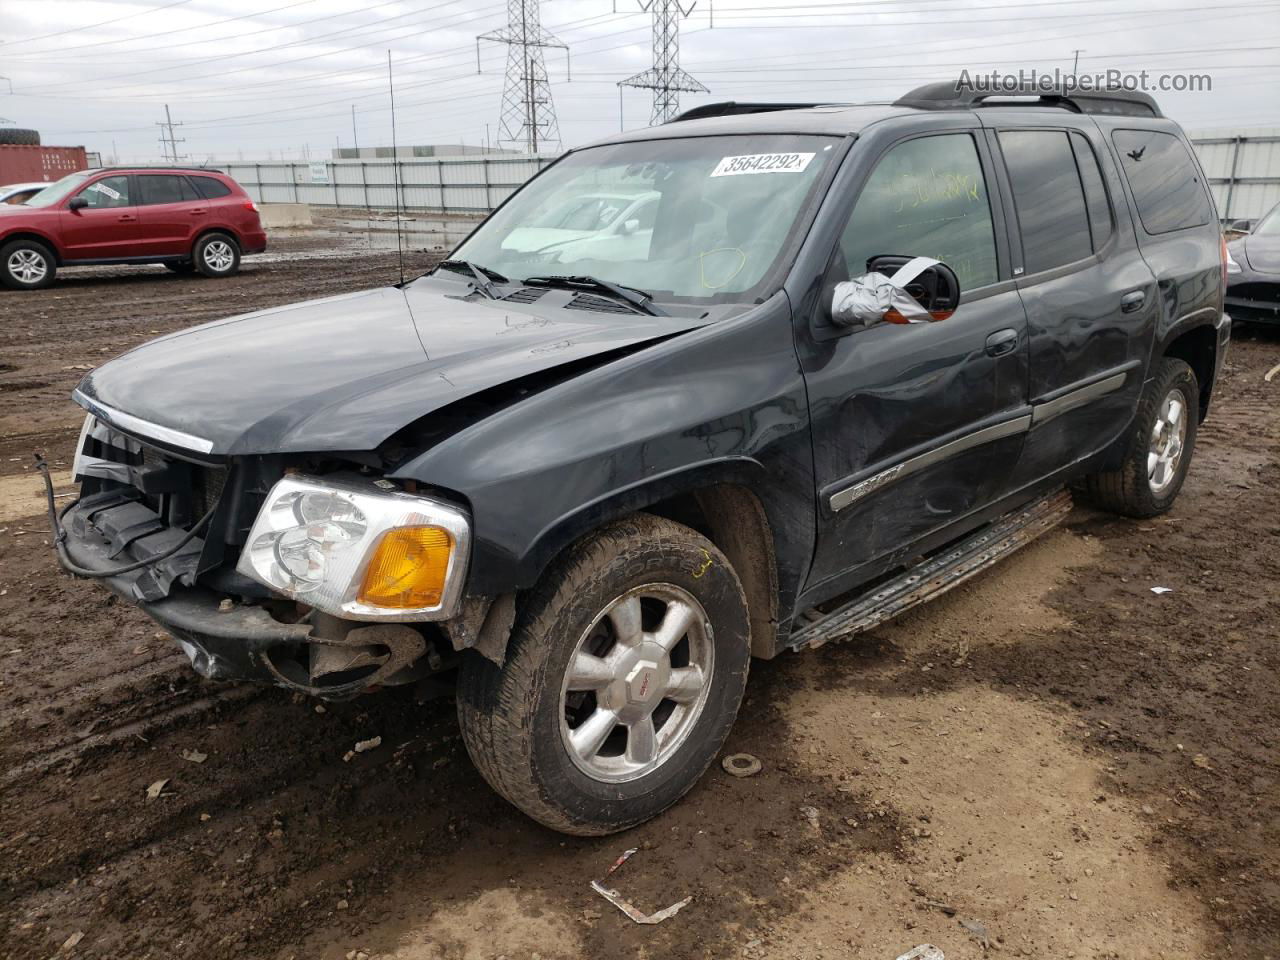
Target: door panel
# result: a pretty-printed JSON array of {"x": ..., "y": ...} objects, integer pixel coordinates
[
  {"x": 105, "y": 229},
  {"x": 1088, "y": 294},
  {"x": 911, "y": 421},
  {"x": 168, "y": 212}
]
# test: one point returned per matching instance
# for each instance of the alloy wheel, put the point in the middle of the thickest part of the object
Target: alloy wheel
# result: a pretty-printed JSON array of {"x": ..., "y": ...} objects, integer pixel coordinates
[
  {"x": 1168, "y": 439},
  {"x": 27, "y": 266},
  {"x": 636, "y": 683},
  {"x": 218, "y": 255}
]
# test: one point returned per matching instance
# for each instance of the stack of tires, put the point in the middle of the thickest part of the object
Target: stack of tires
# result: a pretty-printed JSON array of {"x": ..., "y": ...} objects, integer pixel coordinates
[{"x": 20, "y": 136}]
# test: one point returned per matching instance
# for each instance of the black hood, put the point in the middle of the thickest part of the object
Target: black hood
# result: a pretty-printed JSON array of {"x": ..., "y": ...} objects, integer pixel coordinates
[
  {"x": 1261, "y": 253},
  {"x": 346, "y": 372}
]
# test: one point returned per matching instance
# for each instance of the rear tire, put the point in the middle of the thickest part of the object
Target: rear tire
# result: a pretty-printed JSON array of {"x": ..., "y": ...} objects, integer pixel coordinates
[
  {"x": 1158, "y": 450},
  {"x": 589, "y": 727},
  {"x": 26, "y": 265},
  {"x": 216, "y": 255}
]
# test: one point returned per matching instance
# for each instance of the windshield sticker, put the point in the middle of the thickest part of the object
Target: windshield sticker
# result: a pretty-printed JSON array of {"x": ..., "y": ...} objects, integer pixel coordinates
[
  {"x": 103, "y": 188},
  {"x": 762, "y": 163}
]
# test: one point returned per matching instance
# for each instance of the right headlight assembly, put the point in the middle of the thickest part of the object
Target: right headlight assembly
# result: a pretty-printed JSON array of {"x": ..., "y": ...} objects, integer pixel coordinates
[{"x": 352, "y": 550}]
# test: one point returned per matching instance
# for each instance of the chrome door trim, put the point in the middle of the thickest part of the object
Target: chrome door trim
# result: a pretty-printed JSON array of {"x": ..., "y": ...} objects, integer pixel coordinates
[
  {"x": 1046, "y": 411},
  {"x": 851, "y": 494}
]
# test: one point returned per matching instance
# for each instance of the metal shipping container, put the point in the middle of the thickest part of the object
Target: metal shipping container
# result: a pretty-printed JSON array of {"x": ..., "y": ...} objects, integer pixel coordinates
[{"x": 24, "y": 164}]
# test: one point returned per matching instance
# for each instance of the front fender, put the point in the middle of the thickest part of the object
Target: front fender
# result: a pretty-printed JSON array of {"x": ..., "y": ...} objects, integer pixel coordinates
[{"x": 721, "y": 404}]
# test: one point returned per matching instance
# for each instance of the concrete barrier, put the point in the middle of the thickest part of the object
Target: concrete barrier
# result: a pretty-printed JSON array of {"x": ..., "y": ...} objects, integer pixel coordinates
[{"x": 285, "y": 214}]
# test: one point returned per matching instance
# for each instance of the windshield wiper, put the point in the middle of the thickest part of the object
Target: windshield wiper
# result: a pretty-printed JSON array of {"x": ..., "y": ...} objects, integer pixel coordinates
[
  {"x": 484, "y": 277},
  {"x": 637, "y": 298}
]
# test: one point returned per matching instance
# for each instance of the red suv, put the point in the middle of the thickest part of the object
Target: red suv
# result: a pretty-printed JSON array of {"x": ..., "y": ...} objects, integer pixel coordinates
[{"x": 189, "y": 219}]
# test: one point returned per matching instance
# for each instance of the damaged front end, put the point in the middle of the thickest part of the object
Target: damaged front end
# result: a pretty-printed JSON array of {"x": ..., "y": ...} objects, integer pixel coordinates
[{"x": 311, "y": 573}]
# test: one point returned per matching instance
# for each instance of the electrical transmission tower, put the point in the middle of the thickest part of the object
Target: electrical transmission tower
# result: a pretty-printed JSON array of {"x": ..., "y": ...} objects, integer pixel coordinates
[
  {"x": 665, "y": 78},
  {"x": 167, "y": 139},
  {"x": 528, "y": 115}
]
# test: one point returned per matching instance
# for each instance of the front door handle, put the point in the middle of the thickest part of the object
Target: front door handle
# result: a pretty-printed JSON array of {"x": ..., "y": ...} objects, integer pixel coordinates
[
  {"x": 1133, "y": 301},
  {"x": 1002, "y": 342},
  {"x": 126, "y": 218}
]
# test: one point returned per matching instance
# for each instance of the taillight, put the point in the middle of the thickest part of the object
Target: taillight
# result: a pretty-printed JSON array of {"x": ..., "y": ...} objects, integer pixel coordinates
[
  {"x": 1226, "y": 258},
  {"x": 250, "y": 205}
]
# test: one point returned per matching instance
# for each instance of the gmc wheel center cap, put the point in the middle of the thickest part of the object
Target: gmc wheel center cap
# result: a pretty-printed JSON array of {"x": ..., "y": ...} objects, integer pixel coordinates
[{"x": 640, "y": 681}]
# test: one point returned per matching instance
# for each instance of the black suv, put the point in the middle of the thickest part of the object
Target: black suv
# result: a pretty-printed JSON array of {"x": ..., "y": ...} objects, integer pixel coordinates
[{"x": 740, "y": 384}]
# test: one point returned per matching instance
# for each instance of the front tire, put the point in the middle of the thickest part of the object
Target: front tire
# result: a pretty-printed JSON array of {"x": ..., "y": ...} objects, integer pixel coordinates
[
  {"x": 216, "y": 255},
  {"x": 26, "y": 265},
  {"x": 622, "y": 679},
  {"x": 1158, "y": 449}
]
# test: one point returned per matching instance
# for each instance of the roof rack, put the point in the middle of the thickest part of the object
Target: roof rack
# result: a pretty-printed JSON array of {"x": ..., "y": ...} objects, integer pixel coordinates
[
  {"x": 730, "y": 108},
  {"x": 945, "y": 96},
  {"x": 157, "y": 166}
]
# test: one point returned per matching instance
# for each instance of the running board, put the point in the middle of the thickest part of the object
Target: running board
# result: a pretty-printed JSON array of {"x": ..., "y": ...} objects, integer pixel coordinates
[{"x": 935, "y": 576}]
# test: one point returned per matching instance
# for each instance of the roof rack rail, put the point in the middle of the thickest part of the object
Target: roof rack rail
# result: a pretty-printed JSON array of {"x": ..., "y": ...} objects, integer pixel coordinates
[
  {"x": 731, "y": 108},
  {"x": 945, "y": 96},
  {"x": 157, "y": 166}
]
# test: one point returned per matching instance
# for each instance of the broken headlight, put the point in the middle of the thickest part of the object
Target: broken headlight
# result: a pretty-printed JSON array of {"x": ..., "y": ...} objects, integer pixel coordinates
[{"x": 355, "y": 551}]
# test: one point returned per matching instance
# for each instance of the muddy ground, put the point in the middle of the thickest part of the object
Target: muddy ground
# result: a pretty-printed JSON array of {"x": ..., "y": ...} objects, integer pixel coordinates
[{"x": 1052, "y": 759}]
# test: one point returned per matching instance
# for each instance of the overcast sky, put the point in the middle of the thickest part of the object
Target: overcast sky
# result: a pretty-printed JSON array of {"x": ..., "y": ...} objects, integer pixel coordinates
[{"x": 275, "y": 78}]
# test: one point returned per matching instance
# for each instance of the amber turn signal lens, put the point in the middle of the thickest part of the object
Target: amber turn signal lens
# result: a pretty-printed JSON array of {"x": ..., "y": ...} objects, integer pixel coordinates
[{"x": 408, "y": 569}]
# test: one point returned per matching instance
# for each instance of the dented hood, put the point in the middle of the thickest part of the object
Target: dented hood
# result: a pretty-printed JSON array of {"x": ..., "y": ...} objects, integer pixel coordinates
[{"x": 344, "y": 373}]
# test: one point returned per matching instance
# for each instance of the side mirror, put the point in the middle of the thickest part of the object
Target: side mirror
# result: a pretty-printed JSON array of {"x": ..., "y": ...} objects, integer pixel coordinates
[
  {"x": 897, "y": 289},
  {"x": 629, "y": 227},
  {"x": 1240, "y": 226},
  {"x": 77, "y": 203}
]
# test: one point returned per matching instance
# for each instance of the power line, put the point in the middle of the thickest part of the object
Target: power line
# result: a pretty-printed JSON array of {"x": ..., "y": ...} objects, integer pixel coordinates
[
  {"x": 528, "y": 113},
  {"x": 101, "y": 23},
  {"x": 665, "y": 78}
]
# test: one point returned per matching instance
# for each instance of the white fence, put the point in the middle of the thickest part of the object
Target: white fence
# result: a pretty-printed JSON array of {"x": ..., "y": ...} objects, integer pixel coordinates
[
  {"x": 444, "y": 185},
  {"x": 1243, "y": 167}
]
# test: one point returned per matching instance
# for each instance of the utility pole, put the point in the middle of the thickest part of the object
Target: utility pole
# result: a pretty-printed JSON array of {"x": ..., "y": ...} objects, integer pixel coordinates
[
  {"x": 528, "y": 115},
  {"x": 355, "y": 138},
  {"x": 168, "y": 141},
  {"x": 665, "y": 78},
  {"x": 1076, "y": 65}
]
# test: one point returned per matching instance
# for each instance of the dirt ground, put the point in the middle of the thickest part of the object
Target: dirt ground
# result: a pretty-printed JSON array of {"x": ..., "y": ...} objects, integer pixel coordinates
[{"x": 1050, "y": 762}]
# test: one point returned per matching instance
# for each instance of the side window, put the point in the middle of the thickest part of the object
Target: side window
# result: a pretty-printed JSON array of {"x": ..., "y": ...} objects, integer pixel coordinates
[
  {"x": 210, "y": 188},
  {"x": 646, "y": 213},
  {"x": 108, "y": 192},
  {"x": 1095, "y": 193},
  {"x": 164, "y": 188},
  {"x": 926, "y": 197},
  {"x": 1052, "y": 217},
  {"x": 1164, "y": 179}
]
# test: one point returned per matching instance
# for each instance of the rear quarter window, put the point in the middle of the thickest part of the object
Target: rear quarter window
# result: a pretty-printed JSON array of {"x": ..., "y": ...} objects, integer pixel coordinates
[
  {"x": 1165, "y": 180},
  {"x": 210, "y": 188}
]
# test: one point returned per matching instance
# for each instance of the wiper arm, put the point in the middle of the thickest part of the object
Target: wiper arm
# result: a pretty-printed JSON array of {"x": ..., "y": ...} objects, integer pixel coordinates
[
  {"x": 637, "y": 298},
  {"x": 484, "y": 277}
]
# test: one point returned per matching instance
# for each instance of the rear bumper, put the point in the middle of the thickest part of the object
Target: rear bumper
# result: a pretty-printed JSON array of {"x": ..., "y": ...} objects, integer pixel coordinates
[
  {"x": 226, "y": 640},
  {"x": 255, "y": 242}
]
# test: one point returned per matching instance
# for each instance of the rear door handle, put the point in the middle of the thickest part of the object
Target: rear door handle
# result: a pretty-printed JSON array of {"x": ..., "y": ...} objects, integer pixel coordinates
[
  {"x": 199, "y": 211},
  {"x": 1002, "y": 342},
  {"x": 1132, "y": 301},
  {"x": 127, "y": 218}
]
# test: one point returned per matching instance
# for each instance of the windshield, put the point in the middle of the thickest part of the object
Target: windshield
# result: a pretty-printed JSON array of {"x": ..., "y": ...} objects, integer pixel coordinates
[
  {"x": 57, "y": 190},
  {"x": 1269, "y": 226},
  {"x": 701, "y": 218}
]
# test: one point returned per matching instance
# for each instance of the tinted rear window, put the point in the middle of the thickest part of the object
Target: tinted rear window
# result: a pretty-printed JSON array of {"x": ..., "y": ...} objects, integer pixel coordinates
[
  {"x": 210, "y": 188},
  {"x": 1164, "y": 179},
  {"x": 1095, "y": 194},
  {"x": 164, "y": 188},
  {"x": 1052, "y": 216}
]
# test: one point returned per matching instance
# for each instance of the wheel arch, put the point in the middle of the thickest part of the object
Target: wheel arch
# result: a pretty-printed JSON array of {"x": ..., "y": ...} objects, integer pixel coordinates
[
  {"x": 25, "y": 234},
  {"x": 212, "y": 229},
  {"x": 1197, "y": 347},
  {"x": 718, "y": 500}
]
